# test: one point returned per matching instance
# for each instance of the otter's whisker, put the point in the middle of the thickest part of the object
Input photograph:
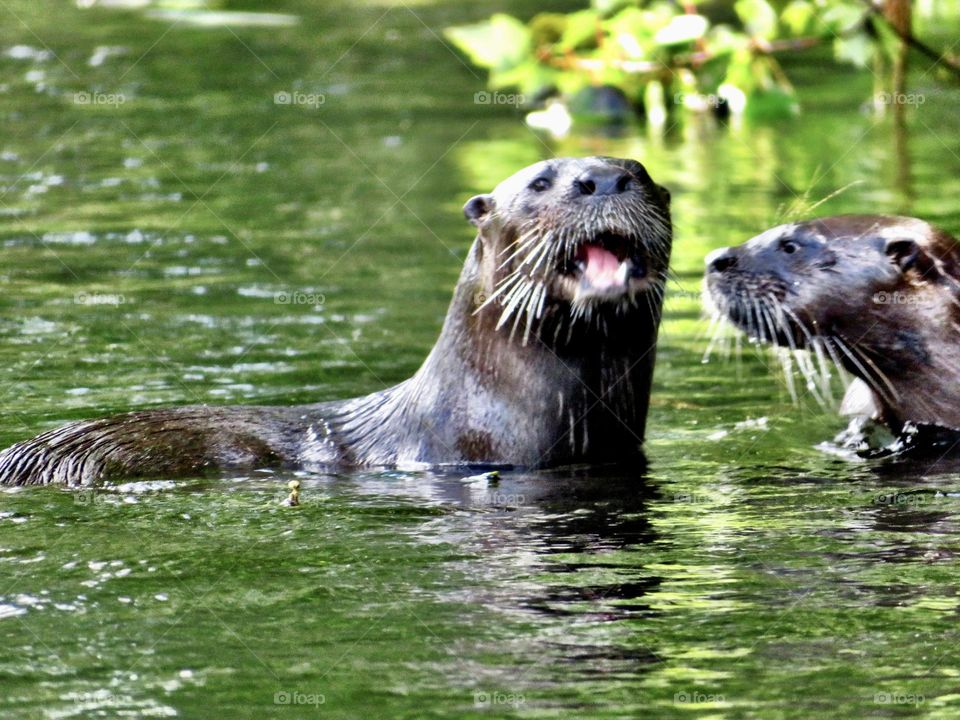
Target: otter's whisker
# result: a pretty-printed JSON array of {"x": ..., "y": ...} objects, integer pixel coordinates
[
  {"x": 521, "y": 245},
  {"x": 824, "y": 369},
  {"x": 882, "y": 376},
  {"x": 867, "y": 376},
  {"x": 513, "y": 301},
  {"x": 528, "y": 310},
  {"x": 543, "y": 252},
  {"x": 759, "y": 325},
  {"x": 505, "y": 285},
  {"x": 785, "y": 356},
  {"x": 828, "y": 343},
  {"x": 821, "y": 373},
  {"x": 713, "y": 332}
]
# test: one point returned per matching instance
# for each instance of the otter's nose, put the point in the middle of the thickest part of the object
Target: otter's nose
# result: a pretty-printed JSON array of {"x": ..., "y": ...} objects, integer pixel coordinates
[
  {"x": 720, "y": 260},
  {"x": 604, "y": 180}
]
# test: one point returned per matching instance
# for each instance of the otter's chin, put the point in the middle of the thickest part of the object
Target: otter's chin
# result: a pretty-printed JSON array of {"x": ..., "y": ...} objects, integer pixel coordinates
[{"x": 606, "y": 267}]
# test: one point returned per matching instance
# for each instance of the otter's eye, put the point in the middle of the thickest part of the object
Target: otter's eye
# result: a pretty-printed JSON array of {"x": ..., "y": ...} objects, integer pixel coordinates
[
  {"x": 540, "y": 184},
  {"x": 789, "y": 246}
]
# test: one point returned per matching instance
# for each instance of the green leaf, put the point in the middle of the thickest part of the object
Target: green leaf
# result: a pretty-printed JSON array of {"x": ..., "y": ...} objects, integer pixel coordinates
[
  {"x": 500, "y": 43},
  {"x": 607, "y": 7},
  {"x": 712, "y": 74},
  {"x": 632, "y": 32},
  {"x": 841, "y": 18},
  {"x": 744, "y": 72},
  {"x": 758, "y": 17},
  {"x": 722, "y": 39},
  {"x": 682, "y": 29},
  {"x": 857, "y": 49},
  {"x": 547, "y": 28},
  {"x": 529, "y": 77},
  {"x": 798, "y": 16},
  {"x": 581, "y": 30}
]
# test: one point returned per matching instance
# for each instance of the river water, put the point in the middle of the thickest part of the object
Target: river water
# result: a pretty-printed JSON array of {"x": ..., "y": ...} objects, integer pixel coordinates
[{"x": 173, "y": 231}]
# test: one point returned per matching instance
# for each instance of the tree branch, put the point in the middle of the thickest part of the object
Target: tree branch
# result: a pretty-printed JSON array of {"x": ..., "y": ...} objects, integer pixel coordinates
[{"x": 910, "y": 39}]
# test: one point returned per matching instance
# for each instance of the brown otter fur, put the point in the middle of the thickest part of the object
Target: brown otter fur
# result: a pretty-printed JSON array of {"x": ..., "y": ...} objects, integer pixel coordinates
[
  {"x": 877, "y": 294},
  {"x": 545, "y": 356}
]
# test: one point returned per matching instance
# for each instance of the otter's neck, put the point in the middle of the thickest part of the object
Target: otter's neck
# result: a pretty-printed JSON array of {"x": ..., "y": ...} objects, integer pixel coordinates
[
  {"x": 921, "y": 363},
  {"x": 483, "y": 396}
]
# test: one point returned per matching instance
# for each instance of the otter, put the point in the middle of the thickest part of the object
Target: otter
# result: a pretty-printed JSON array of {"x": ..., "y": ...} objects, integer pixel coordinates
[
  {"x": 545, "y": 356},
  {"x": 878, "y": 295}
]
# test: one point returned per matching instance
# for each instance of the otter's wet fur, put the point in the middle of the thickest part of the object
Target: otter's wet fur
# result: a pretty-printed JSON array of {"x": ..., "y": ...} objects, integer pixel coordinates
[
  {"x": 877, "y": 295},
  {"x": 544, "y": 359}
]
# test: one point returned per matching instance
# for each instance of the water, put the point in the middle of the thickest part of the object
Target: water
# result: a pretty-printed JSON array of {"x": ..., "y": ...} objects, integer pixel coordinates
[{"x": 152, "y": 223}]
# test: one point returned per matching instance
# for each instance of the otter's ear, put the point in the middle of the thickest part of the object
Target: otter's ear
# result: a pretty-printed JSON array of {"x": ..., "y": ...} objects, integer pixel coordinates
[
  {"x": 477, "y": 208},
  {"x": 907, "y": 255},
  {"x": 664, "y": 195}
]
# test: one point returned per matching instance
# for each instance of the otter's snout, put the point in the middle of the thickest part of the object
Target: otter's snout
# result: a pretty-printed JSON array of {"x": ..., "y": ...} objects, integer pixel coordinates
[
  {"x": 721, "y": 260},
  {"x": 603, "y": 180}
]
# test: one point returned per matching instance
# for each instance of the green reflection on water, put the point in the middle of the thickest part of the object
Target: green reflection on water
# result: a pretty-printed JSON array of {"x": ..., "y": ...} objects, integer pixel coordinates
[{"x": 148, "y": 247}]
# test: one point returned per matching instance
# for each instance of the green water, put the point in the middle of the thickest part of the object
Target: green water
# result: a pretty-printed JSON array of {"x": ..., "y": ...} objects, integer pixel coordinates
[{"x": 746, "y": 573}]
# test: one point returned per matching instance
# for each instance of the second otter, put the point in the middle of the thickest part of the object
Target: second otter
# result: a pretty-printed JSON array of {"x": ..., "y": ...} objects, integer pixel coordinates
[
  {"x": 878, "y": 294},
  {"x": 545, "y": 356}
]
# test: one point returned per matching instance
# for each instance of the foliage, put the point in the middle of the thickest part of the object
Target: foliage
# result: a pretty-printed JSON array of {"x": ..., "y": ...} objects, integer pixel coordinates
[{"x": 662, "y": 53}]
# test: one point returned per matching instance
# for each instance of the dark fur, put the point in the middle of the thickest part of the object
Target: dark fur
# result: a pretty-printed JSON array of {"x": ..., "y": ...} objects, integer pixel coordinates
[
  {"x": 568, "y": 382},
  {"x": 879, "y": 293}
]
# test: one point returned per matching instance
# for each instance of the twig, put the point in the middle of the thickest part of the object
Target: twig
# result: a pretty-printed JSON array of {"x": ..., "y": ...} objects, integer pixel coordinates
[
  {"x": 638, "y": 67},
  {"x": 938, "y": 58}
]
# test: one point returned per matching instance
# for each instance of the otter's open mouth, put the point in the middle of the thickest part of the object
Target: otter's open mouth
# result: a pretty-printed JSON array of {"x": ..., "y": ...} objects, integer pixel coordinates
[{"x": 607, "y": 265}]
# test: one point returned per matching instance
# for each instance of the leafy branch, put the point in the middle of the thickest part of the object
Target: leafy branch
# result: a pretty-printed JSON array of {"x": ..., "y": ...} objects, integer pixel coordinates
[{"x": 656, "y": 54}]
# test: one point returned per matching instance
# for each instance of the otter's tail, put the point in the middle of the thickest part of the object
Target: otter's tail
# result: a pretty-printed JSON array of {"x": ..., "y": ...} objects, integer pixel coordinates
[{"x": 180, "y": 442}]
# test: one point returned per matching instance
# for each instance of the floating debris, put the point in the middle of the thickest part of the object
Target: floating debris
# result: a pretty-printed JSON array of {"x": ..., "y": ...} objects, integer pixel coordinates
[
  {"x": 294, "y": 498},
  {"x": 490, "y": 478}
]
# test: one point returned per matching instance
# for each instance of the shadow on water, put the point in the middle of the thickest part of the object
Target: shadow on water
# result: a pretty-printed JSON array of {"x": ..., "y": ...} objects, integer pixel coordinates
[{"x": 566, "y": 517}]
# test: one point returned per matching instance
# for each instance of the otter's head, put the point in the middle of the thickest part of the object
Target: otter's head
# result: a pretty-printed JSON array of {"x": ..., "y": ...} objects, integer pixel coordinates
[
  {"x": 870, "y": 292},
  {"x": 571, "y": 240}
]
